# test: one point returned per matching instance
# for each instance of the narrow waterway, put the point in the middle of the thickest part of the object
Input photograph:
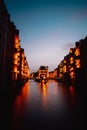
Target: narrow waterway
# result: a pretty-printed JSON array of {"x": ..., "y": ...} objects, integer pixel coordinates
[{"x": 47, "y": 106}]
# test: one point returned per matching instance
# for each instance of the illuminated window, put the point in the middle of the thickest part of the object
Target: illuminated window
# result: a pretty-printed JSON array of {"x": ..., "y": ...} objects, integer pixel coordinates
[
  {"x": 16, "y": 39},
  {"x": 72, "y": 74},
  {"x": 71, "y": 50},
  {"x": 64, "y": 61},
  {"x": 61, "y": 65},
  {"x": 77, "y": 63},
  {"x": 71, "y": 60},
  {"x": 64, "y": 69},
  {"x": 71, "y": 68},
  {"x": 60, "y": 75},
  {"x": 77, "y": 51},
  {"x": 15, "y": 69},
  {"x": 15, "y": 56},
  {"x": 60, "y": 69}
]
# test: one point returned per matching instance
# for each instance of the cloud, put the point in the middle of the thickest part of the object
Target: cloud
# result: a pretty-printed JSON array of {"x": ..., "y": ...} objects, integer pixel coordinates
[{"x": 81, "y": 14}]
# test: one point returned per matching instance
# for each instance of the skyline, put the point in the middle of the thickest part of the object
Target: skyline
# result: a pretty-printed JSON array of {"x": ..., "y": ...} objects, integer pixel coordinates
[{"x": 48, "y": 28}]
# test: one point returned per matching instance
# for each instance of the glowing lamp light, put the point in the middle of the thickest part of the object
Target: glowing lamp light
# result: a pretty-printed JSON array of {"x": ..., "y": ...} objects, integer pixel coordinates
[
  {"x": 77, "y": 52},
  {"x": 16, "y": 39},
  {"x": 64, "y": 69},
  {"x": 15, "y": 69},
  {"x": 77, "y": 63},
  {"x": 71, "y": 60},
  {"x": 15, "y": 56},
  {"x": 64, "y": 61},
  {"x": 71, "y": 50},
  {"x": 60, "y": 75},
  {"x": 61, "y": 70},
  {"x": 72, "y": 74},
  {"x": 71, "y": 68}
]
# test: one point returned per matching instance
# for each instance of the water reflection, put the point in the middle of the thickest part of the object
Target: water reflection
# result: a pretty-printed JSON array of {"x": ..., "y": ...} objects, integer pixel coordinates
[
  {"x": 49, "y": 103},
  {"x": 22, "y": 98},
  {"x": 19, "y": 107},
  {"x": 43, "y": 89},
  {"x": 50, "y": 98}
]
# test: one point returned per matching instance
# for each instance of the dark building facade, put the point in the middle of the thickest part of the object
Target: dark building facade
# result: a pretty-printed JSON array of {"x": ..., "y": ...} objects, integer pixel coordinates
[
  {"x": 4, "y": 20},
  {"x": 11, "y": 56},
  {"x": 81, "y": 71},
  {"x": 74, "y": 65}
]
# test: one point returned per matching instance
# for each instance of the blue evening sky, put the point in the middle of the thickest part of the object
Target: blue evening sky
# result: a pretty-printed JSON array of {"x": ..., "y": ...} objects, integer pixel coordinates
[{"x": 48, "y": 28}]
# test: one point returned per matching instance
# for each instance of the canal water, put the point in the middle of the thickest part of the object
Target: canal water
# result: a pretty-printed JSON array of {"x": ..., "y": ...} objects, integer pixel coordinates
[{"x": 47, "y": 106}]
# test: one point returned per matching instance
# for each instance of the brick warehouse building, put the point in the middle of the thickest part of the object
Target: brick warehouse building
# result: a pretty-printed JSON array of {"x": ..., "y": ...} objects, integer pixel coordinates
[
  {"x": 12, "y": 56},
  {"x": 74, "y": 64},
  {"x": 4, "y": 20}
]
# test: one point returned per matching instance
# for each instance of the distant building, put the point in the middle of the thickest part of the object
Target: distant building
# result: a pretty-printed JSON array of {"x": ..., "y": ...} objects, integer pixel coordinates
[
  {"x": 56, "y": 73},
  {"x": 32, "y": 75},
  {"x": 43, "y": 70},
  {"x": 51, "y": 74}
]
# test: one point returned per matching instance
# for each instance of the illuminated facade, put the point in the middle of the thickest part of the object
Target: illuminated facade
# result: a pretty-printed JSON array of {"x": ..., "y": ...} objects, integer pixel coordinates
[
  {"x": 74, "y": 65},
  {"x": 24, "y": 68},
  {"x": 11, "y": 61},
  {"x": 81, "y": 59},
  {"x": 16, "y": 56},
  {"x": 60, "y": 70},
  {"x": 55, "y": 73},
  {"x": 43, "y": 70},
  {"x": 51, "y": 74},
  {"x": 20, "y": 65},
  {"x": 71, "y": 66}
]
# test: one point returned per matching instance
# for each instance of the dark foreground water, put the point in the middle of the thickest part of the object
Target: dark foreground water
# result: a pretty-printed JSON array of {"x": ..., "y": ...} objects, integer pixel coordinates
[{"x": 47, "y": 106}]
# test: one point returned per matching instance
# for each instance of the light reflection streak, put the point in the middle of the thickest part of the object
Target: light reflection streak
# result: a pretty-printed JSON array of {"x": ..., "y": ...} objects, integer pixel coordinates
[
  {"x": 43, "y": 89},
  {"x": 72, "y": 94},
  {"x": 52, "y": 95},
  {"x": 37, "y": 101},
  {"x": 20, "y": 103},
  {"x": 68, "y": 94},
  {"x": 44, "y": 95}
]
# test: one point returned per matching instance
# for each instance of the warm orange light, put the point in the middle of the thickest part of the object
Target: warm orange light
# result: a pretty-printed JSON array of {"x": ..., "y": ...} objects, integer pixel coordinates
[
  {"x": 64, "y": 69},
  {"x": 60, "y": 75},
  {"x": 61, "y": 69},
  {"x": 71, "y": 68},
  {"x": 71, "y": 60},
  {"x": 71, "y": 50},
  {"x": 72, "y": 91},
  {"x": 60, "y": 64},
  {"x": 77, "y": 63},
  {"x": 16, "y": 39},
  {"x": 15, "y": 68},
  {"x": 20, "y": 102},
  {"x": 17, "y": 44},
  {"x": 64, "y": 61},
  {"x": 72, "y": 74},
  {"x": 43, "y": 88},
  {"x": 15, "y": 62},
  {"x": 77, "y": 51},
  {"x": 15, "y": 55}
]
